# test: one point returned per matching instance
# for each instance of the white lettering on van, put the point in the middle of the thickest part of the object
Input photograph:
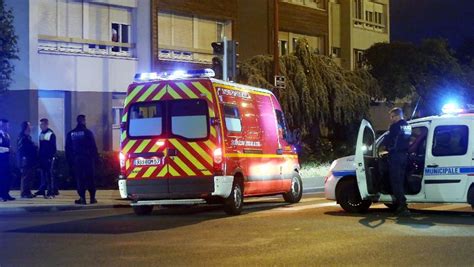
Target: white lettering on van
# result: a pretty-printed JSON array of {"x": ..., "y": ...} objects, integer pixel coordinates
[
  {"x": 236, "y": 142},
  {"x": 234, "y": 93}
]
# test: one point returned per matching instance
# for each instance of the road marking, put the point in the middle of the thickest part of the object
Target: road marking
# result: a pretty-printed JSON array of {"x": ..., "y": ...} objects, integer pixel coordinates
[{"x": 313, "y": 206}]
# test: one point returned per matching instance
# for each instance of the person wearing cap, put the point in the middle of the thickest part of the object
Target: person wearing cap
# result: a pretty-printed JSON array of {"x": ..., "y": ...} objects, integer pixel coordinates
[
  {"x": 81, "y": 153},
  {"x": 47, "y": 152},
  {"x": 5, "y": 161}
]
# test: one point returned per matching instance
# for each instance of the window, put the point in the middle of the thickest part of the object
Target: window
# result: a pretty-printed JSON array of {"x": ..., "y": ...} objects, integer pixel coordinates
[
  {"x": 368, "y": 142},
  {"x": 358, "y": 9},
  {"x": 417, "y": 143},
  {"x": 358, "y": 58},
  {"x": 283, "y": 47},
  {"x": 232, "y": 118},
  {"x": 117, "y": 116},
  {"x": 336, "y": 52},
  {"x": 450, "y": 140},
  {"x": 282, "y": 129},
  {"x": 189, "y": 118},
  {"x": 146, "y": 119},
  {"x": 120, "y": 34}
]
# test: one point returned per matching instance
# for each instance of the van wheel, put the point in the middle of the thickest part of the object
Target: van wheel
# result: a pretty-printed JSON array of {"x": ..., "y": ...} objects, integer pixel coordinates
[
  {"x": 348, "y": 196},
  {"x": 142, "y": 210},
  {"x": 233, "y": 204},
  {"x": 391, "y": 206},
  {"x": 296, "y": 192}
]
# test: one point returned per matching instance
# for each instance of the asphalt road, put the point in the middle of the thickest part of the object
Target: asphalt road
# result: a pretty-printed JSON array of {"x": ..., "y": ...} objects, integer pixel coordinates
[{"x": 269, "y": 232}]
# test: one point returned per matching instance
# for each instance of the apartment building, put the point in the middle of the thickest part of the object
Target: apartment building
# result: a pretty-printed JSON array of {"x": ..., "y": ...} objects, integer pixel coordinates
[
  {"x": 76, "y": 57},
  {"x": 355, "y": 25}
]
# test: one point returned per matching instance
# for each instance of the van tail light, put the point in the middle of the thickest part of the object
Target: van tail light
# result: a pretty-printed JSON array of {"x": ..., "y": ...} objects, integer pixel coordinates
[
  {"x": 218, "y": 156},
  {"x": 122, "y": 159},
  {"x": 160, "y": 143}
]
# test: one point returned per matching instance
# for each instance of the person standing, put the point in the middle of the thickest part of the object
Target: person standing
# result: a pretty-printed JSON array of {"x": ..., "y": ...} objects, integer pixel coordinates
[
  {"x": 47, "y": 152},
  {"x": 5, "y": 161},
  {"x": 27, "y": 155},
  {"x": 397, "y": 143},
  {"x": 81, "y": 153}
]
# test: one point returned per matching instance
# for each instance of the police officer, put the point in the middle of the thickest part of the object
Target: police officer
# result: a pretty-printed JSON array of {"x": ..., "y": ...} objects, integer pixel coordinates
[
  {"x": 397, "y": 143},
  {"x": 47, "y": 151},
  {"x": 27, "y": 156},
  {"x": 5, "y": 161},
  {"x": 81, "y": 153}
]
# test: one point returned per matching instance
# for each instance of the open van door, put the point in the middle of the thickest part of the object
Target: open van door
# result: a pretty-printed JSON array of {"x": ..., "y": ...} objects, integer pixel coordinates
[{"x": 365, "y": 160}]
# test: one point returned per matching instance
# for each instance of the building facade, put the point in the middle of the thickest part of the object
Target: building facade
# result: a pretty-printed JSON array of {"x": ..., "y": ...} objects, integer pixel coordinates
[
  {"x": 76, "y": 57},
  {"x": 79, "y": 56},
  {"x": 355, "y": 26}
]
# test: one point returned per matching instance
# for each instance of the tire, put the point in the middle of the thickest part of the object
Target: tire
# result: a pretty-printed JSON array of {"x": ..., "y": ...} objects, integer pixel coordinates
[
  {"x": 296, "y": 192},
  {"x": 234, "y": 203},
  {"x": 391, "y": 206},
  {"x": 142, "y": 210},
  {"x": 348, "y": 197}
]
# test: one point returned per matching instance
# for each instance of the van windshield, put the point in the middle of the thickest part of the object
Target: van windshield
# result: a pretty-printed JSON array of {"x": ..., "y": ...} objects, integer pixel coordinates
[
  {"x": 189, "y": 118},
  {"x": 146, "y": 119}
]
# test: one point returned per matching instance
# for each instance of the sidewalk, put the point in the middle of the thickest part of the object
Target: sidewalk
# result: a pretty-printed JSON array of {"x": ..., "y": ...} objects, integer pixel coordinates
[{"x": 63, "y": 202}]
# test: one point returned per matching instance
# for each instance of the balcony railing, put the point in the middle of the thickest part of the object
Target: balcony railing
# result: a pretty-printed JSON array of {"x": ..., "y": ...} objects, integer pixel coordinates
[
  {"x": 182, "y": 54},
  {"x": 56, "y": 44},
  {"x": 360, "y": 23}
]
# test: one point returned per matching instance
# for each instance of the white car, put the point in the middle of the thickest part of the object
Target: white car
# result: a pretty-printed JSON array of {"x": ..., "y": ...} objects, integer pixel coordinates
[{"x": 440, "y": 166}]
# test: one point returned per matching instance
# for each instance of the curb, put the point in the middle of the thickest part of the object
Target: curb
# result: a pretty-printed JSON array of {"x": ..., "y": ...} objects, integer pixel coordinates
[{"x": 58, "y": 208}]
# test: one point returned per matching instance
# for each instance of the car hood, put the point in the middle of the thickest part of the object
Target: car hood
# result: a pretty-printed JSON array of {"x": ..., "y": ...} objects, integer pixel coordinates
[{"x": 343, "y": 166}]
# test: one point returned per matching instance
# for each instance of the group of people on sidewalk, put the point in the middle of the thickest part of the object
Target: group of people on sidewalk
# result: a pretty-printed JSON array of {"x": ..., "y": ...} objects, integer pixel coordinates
[{"x": 81, "y": 154}]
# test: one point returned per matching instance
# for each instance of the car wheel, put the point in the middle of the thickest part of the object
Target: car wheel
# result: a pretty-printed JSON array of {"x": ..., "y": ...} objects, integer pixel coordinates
[
  {"x": 296, "y": 192},
  {"x": 348, "y": 197},
  {"x": 142, "y": 210},
  {"x": 234, "y": 203}
]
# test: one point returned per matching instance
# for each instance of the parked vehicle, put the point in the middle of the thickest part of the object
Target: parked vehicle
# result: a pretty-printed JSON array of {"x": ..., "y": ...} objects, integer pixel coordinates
[
  {"x": 440, "y": 169},
  {"x": 192, "y": 139}
]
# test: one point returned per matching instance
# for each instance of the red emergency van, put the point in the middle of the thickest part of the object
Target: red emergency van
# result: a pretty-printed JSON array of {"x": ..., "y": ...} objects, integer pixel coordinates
[{"x": 192, "y": 139}]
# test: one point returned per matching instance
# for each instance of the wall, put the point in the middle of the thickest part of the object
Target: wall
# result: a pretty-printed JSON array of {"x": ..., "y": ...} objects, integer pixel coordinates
[{"x": 255, "y": 32}]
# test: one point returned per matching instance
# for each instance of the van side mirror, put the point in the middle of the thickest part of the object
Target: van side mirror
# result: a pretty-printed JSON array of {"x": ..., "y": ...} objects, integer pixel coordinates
[{"x": 215, "y": 121}]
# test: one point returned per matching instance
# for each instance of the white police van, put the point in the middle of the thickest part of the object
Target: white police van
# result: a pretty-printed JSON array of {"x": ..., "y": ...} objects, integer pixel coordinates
[{"x": 440, "y": 165}]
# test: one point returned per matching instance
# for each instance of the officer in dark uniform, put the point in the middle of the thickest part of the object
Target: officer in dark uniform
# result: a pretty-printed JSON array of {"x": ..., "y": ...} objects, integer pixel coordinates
[
  {"x": 47, "y": 151},
  {"x": 81, "y": 153},
  {"x": 397, "y": 143},
  {"x": 5, "y": 161},
  {"x": 27, "y": 157}
]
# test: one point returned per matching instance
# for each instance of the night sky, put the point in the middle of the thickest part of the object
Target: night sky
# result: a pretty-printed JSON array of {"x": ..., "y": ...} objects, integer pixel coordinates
[{"x": 414, "y": 20}]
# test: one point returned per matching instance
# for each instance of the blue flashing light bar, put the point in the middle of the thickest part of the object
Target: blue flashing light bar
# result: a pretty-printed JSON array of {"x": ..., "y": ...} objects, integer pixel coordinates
[
  {"x": 452, "y": 108},
  {"x": 177, "y": 74}
]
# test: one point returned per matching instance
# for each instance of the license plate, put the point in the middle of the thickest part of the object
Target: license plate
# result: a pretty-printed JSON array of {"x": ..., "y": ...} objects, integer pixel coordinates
[{"x": 147, "y": 162}]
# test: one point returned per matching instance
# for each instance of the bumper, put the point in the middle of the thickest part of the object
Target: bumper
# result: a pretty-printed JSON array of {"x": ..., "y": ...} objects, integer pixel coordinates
[
  {"x": 176, "y": 188},
  {"x": 330, "y": 187}
]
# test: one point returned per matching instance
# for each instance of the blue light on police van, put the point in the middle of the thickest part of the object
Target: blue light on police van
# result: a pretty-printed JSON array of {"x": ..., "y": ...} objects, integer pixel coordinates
[{"x": 452, "y": 108}]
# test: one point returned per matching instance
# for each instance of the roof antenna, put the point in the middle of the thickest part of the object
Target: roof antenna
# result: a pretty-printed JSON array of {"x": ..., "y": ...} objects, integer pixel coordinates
[{"x": 416, "y": 108}]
